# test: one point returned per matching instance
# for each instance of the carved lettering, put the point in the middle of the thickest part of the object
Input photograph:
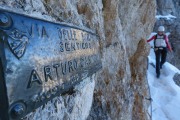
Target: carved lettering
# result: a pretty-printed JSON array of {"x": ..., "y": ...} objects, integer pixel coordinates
[
  {"x": 82, "y": 62},
  {"x": 67, "y": 46},
  {"x": 60, "y": 34},
  {"x": 38, "y": 30},
  {"x": 82, "y": 35},
  {"x": 90, "y": 45},
  {"x": 56, "y": 66},
  {"x": 74, "y": 34},
  {"x": 78, "y": 46},
  {"x": 70, "y": 41},
  {"x": 75, "y": 64},
  {"x": 44, "y": 33},
  {"x": 88, "y": 37},
  {"x": 88, "y": 62},
  {"x": 86, "y": 45},
  {"x": 65, "y": 34},
  {"x": 34, "y": 78},
  {"x": 53, "y": 56},
  {"x": 63, "y": 67},
  {"x": 61, "y": 47},
  {"x": 70, "y": 35},
  {"x": 47, "y": 73},
  {"x": 70, "y": 64},
  {"x": 83, "y": 46},
  {"x": 73, "y": 46}
]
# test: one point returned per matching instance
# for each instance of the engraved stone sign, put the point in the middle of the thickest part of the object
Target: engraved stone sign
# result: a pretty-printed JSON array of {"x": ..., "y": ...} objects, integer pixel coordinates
[{"x": 40, "y": 60}]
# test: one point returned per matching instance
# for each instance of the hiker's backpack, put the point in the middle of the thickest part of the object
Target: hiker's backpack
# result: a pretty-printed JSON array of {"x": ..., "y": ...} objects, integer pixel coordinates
[{"x": 159, "y": 41}]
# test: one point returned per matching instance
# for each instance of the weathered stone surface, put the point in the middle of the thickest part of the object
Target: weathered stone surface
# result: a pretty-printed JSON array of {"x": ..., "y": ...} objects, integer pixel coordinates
[
  {"x": 69, "y": 106},
  {"x": 123, "y": 75},
  {"x": 166, "y": 7},
  {"x": 176, "y": 79},
  {"x": 121, "y": 90}
]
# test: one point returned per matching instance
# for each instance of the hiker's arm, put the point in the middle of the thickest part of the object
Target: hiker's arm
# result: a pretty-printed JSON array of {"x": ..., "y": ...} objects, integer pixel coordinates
[
  {"x": 167, "y": 43},
  {"x": 152, "y": 38}
]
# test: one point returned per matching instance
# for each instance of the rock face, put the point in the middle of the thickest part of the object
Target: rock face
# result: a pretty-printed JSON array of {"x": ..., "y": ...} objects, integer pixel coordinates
[
  {"x": 121, "y": 90},
  {"x": 176, "y": 79},
  {"x": 166, "y": 7}
]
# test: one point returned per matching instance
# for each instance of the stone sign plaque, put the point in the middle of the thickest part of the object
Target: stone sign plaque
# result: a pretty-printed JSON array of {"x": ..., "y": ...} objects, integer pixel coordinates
[{"x": 40, "y": 60}]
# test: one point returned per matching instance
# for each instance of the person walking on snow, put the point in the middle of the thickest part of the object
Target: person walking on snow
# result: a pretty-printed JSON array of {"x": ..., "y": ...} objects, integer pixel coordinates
[{"x": 160, "y": 48}]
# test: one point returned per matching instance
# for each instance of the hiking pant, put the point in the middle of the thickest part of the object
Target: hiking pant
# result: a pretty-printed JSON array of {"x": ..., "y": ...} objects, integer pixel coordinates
[{"x": 161, "y": 54}]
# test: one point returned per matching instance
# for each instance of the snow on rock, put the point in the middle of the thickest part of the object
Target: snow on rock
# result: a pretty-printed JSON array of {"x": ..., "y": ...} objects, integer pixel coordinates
[
  {"x": 168, "y": 17},
  {"x": 165, "y": 93}
]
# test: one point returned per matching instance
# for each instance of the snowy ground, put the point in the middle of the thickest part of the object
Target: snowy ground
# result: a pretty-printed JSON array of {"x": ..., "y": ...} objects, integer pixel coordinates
[{"x": 165, "y": 93}]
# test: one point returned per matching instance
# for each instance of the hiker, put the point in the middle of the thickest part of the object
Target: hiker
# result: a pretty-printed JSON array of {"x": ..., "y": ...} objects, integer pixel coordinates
[{"x": 160, "y": 48}]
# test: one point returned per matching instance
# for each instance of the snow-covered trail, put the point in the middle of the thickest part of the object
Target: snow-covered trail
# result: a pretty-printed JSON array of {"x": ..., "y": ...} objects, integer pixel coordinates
[{"x": 165, "y": 93}]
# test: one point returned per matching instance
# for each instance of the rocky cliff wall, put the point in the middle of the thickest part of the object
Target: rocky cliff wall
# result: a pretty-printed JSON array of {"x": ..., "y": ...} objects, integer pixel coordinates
[
  {"x": 166, "y": 7},
  {"x": 119, "y": 91}
]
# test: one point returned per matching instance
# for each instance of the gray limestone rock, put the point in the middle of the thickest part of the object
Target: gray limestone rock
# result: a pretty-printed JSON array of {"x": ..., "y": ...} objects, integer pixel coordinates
[{"x": 176, "y": 79}]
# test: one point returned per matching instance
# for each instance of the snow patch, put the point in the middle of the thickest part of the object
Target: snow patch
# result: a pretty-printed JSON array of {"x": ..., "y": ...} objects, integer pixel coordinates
[{"x": 168, "y": 17}]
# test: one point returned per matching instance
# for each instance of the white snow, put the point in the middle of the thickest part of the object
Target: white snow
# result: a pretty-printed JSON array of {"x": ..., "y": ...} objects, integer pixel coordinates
[
  {"x": 165, "y": 93},
  {"x": 168, "y": 17}
]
